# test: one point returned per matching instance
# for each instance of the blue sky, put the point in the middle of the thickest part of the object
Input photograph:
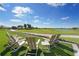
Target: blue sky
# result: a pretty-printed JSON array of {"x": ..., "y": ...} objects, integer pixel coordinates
[{"x": 47, "y": 15}]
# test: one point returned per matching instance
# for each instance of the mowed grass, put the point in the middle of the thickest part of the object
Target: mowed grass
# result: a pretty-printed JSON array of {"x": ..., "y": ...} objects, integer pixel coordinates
[
  {"x": 3, "y": 43},
  {"x": 60, "y": 49},
  {"x": 76, "y": 40},
  {"x": 52, "y": 31},
  {"x": 3, "y": 39}
]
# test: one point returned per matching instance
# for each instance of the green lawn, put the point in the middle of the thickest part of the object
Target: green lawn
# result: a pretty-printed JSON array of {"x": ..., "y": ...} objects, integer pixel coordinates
[
  {"x": 53, "y": 31},
  {"x": 60, "y": 49},
  {"x": 3, "y": 44},
  {"x": 76, "y": 40},
  {"x": 3, "y": 39}
]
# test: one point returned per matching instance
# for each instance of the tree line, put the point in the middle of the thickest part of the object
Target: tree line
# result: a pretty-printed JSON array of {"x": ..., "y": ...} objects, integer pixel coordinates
[{"x": 24, "y": 26}]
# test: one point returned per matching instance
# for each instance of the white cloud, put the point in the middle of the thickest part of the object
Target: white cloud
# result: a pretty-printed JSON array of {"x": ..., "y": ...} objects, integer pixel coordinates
[
  {"x": 2, "y": 9},
  {"x": 36, "y": 21},
  {"x": 57, "y": 4},
  {"x": 19, "y": 15},
  {"x": 20, "y": 11},
  {"x": 65, "y": 18},
  {"x": 15, "y": 20}
]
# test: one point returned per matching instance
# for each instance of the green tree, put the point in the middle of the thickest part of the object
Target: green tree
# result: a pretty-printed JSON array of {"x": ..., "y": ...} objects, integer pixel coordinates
[
  {"x": 74, "y": 28},
  {"x": 29, "y": 26},
  {"x": 14, "y": 27},
  {"x": 25, "y": 26},
  {"x": 20, "y": 27}
]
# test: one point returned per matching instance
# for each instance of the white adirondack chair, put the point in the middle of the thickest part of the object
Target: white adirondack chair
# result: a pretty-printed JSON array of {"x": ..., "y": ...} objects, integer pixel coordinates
[
  {"x": 33, "y": 45},
  {"x": 14, "y": 41}
]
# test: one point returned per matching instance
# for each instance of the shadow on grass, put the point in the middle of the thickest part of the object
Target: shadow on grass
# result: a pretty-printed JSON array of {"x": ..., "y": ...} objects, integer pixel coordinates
[
  {"x": 17, "y": 52},
  {"x": 49, "y": 54},
  {"x": 64, "y": 47},
  {"x": 22, "y": 54},
  {"x": 58, "y": 50},
  {"x": 34, "y": 52},
  {"x": 4, "y": 52},
  {"x": 39, "y": 52}
]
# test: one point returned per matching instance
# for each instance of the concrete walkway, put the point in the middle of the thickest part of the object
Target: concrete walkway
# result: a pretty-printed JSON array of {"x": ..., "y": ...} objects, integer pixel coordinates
[
  {"x": 76, "y": 49},
  {"x": 49, "y": 35},
  {"x": 71, "y": 36}
]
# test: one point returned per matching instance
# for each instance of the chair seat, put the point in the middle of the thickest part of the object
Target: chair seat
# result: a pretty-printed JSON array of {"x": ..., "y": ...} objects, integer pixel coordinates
[{"x": 45, "y": 43}]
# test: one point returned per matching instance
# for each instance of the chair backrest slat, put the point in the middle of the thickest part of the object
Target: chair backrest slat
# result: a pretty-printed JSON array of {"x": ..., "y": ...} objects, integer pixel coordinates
[
  {"x": 54, "y": 38},
  {"x": 12, "y": 40},
  {"x": 31, "y": 42}
]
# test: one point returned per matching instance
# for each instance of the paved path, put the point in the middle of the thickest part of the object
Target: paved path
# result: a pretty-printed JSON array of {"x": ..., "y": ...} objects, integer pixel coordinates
[
  {"x": 76, "y": 49},
  {"x": 49, "y": 35},
  {"x": 71, "y": 36}
]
